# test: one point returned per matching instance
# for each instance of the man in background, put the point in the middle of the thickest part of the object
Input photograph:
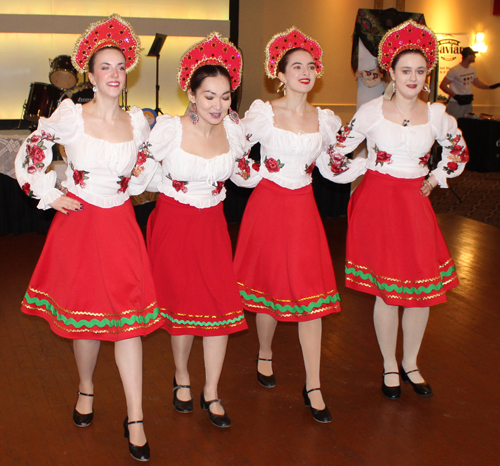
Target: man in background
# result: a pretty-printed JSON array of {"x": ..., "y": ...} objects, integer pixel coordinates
[{"x": 458, "y": 85}]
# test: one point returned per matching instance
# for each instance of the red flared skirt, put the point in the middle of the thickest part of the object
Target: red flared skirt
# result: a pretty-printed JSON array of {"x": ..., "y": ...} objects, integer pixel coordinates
[
  {"x": 93, "y": 279},
  {"x": 395, "y": 248},
  {"x": 191, "y": 259},
  {"x": 282, "y": 262}
]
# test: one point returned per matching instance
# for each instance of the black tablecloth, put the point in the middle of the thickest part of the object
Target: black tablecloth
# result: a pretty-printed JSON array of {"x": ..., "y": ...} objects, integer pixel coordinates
[{"x": 483, "y": 140}]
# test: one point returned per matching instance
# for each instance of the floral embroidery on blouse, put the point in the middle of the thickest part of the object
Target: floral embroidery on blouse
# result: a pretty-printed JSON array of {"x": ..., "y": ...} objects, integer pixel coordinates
[
  {"x": 79, "y": 176},
  {"x": 123, "y": 183},
  {"x": 248, "y": 137},
  {"x": 424, "y": 160},
  {"x": 382, "y": 156},
  {"x": 27, "y": 190},
  {"x": 143, "y": 155},
  {"x": 272, "y": 165},
  {"x": 344, "y": 133},
  {"x": 218, "y": 188},
  {"x": 35, "y": 154},
  {"x": 178, "y": 185},
  {"x": 244, "y": 167},
  {"x": 338, "y": 163},
  {"x": 310, "y": 168},
  {"x": 256, "y": 166},
  {"x": 458, "y": 154}
]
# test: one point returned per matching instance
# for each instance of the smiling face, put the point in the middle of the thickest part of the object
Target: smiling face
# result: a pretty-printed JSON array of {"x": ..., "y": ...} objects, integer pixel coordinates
[
  {"x": 212, "y": 99},
  {"x": 108, "y": 72},
  {"x": 300, "y": 72},
  {"x": 409, "y": 74}
]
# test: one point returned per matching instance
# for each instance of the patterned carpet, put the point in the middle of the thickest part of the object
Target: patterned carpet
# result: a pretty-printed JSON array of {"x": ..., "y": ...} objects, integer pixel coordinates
[{"x": 480, "y": 195}]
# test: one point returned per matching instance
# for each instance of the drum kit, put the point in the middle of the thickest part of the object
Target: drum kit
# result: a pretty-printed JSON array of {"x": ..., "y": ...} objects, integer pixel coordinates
[{"x": 44, "y": 98}]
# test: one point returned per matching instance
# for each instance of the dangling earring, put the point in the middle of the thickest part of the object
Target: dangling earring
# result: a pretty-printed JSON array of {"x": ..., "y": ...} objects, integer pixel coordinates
[
  {"x": 390, "y": 90},
  {"x": 233, "y": 116},
  {"x": 193, "y": 116},
  {"x": 426, "y": 88},
  {"x": 282, "y": 87},
  {"x": 94, "y": 88}
]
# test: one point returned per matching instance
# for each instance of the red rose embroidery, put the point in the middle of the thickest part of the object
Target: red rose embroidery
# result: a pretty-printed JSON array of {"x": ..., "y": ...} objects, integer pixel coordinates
[
  {"x": 26, "y": 188},
  {"x": 141, "y": 158},
  {"x": 382, "y": 156},
  {"x": 453, "y": 166},
  {"x": 242, "y": 164},
  {"x": 424, "y": 159},
  {"x": 31, "y": 169},
  {"x": 310, "y": 168},
  {"x": 218, "y": 188},
  {"x": 244, "y": 167},
  {"x": 36, "y": 154},
  {"x": 256, "y": 166},
  {"x": 123, "y": 183},
  {"x": 34, "y": 139},
  {"x": 341, "y": 138},
  {"x": 78, "y": 177},
  {"x": 48, "y": 136},
  {"x": 464, "y": 156},
  {"x": 272, "y": 165},
  {"x": 338, "y": 163},
  {"x": 457, "y": 139},
  {"x": 456, "y": 150},
  {"x": 179, "y": 186}
]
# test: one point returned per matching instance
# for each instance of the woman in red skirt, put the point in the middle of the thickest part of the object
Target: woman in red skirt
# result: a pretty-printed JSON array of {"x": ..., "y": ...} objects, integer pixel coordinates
[
  {"x": 282, "y": 262},
  {"x": 188, "y": 241},
  {"x": 395, "y": 249},
  {"x": 93, "y": 280}
]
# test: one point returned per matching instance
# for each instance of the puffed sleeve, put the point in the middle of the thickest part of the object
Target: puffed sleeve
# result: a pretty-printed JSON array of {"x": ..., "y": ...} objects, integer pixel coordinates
[
  {"x": 455, "y": 153},
  {"x": 145, "y": 166},
  {"x": 162, "y": 141},
  {"x": 258, "y": 121},
  {"x": 35, "y": 154},
  {"x": 246, "y": 171},
  {"x": 333, "y": 163}
]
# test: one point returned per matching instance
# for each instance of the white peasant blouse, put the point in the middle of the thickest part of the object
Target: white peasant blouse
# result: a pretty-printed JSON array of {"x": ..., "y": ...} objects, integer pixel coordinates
[
  {"x": 288, "y": 158},
  {"x": 194, "y": 180},
  {"x": 397, "y": 150},
  {"x": 98, "y": 171}
]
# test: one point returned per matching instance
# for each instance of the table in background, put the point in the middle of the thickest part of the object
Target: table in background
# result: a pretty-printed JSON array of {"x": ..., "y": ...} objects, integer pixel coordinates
[{"x": 483, "y": 140}]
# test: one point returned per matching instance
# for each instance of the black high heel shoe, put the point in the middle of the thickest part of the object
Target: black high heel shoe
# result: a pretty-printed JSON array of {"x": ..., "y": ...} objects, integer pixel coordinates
[
  {"x": 393, "y": 393},
  {"x": 267, "y": 381},
  {"x": 422, "y": 389},
  {"x": 219, "y": 420},
  {"x": 321, "y": 415},
  {"x": 139, "y": 453},
  {"x": 82, "y": 420},
  {"x": 179, "y": 405}
]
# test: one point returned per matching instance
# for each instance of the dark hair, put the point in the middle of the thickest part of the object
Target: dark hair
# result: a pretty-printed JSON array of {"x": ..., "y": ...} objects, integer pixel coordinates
[
  {"x": 406, "y": 52},
  {"x": 207, "y": 71},
  {"x": 285, "y": 58},
  {"x": 92, "y": 58}
]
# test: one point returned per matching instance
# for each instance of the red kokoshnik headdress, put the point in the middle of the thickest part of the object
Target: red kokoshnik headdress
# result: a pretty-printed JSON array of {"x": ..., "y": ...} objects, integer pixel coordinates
[
  {"x": 113, "y": 31},
  {"x": 282, "y": 42},
  {"x": 408, "y": 35},
  {"x": 213, "y": 50}
]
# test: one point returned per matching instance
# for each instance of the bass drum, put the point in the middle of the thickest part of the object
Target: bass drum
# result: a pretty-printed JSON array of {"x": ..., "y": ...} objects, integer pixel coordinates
[
  {"x": 79, "y": 94},
  {"x": 42, "y": 101},
  {"x": 62, "y": 72}
]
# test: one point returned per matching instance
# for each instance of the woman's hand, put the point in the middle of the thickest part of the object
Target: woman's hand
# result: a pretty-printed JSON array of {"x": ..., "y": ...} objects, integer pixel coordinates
[
  {"x": 428, "y": 185},
  {"x": 65, "y": 203}
]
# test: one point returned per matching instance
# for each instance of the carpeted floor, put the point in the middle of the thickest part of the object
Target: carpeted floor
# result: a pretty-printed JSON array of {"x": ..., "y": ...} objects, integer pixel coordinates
[{"x": 480, "y": 195}]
